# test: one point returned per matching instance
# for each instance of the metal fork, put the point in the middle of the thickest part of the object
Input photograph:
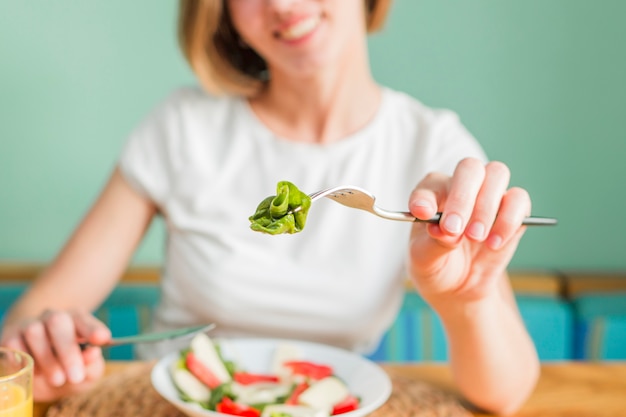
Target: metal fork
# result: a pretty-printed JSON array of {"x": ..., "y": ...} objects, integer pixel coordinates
[
  {"x": 355, "y": 197},
  {"x": 152, "y": 337}
]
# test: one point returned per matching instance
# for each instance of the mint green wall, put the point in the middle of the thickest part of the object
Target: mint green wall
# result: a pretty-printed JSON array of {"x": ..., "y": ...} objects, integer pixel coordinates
[{"x": 540, "y": 83}]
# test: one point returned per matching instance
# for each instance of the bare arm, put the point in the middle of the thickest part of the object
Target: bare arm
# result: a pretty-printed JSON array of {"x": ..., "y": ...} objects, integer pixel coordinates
[
  {"x": 493, "y": 359},
  {"x": 56, "y": 308},
  {"x": 459, "y": 266},
  {"x": 95, "y": 256}
]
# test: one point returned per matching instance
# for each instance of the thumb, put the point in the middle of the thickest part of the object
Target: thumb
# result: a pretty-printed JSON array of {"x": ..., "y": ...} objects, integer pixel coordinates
[
  {"x": 90, "y": 328},
  {"x": 429, "y": 248}
]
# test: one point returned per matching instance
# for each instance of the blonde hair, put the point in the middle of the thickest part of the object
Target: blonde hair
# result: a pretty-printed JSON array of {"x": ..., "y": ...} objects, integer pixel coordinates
[{"x": 222, "y": 62}]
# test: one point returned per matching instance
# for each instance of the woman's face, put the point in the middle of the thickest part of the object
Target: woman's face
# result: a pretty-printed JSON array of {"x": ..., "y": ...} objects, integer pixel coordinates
[{"x": 299, "y": 37}]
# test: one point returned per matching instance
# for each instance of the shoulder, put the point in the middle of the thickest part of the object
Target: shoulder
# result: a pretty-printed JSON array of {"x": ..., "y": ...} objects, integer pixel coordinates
[
  {"x": 189, "y": 113},
  {"x": 191, "y": 100},
  {"x": 405, "y": 108},
  {"x": 435, "y": 136},
  {"x": 179, "y": 134}
]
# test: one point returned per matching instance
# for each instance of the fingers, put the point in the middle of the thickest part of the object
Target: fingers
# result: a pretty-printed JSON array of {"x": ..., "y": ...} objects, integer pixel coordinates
[
  {"x": 94, "y": 363},
  {"x": 477, "y": 234},
  {"x": 13, "y": 341},
  {"x": 515, "y": 206},
  {"x": 474, "y": 202},
  {"x": 465, "y": 186},
  {"x": 44, "y": 392},
  {"x": 488, "y": 201},
  {"x": 62, "y": 333},
  {"x": 428, "y": 195},
  {"x": 36, "y": 341},
  {"x": 90, "y": 328},
  {"x": 52, "y": 340}
]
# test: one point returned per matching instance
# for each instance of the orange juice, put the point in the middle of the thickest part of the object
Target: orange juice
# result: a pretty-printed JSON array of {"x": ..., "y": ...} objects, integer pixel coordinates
[
  {"x": 16, "y": 383},
  {"x": 14, "y": 401}
]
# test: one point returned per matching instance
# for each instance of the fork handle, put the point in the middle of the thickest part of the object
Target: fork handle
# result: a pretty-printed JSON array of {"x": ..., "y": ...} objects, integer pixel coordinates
[{"x": 528, "y": 221}]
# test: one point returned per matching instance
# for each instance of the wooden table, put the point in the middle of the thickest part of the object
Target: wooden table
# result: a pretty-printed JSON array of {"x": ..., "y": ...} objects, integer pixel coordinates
[{"x": 569, "y": 389}]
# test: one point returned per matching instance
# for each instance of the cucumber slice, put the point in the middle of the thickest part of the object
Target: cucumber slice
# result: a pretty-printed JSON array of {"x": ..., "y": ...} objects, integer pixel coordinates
[
  {"x": 284, "y": 353},
  {"x": 284, "y": 410},
  {"x": 189, "y": 385},
  {"x": 325, "y": 393},
  {"x": 262, "y": 393},
  {"x": 204, "y": 350}
]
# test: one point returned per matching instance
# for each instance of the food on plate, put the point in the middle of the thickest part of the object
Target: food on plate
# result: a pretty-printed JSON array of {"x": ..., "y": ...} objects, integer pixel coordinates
[
  {"x": 292, "y": 386},
  {"x": 276, "y": 215}
]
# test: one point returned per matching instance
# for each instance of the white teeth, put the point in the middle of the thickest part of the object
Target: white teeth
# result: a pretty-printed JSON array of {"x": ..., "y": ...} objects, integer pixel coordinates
[{"x": 300, "y": 29}]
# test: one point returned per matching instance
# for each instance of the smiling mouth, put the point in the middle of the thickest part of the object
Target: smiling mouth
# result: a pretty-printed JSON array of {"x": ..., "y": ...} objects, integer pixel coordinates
[{"x": 299, "y": 30}]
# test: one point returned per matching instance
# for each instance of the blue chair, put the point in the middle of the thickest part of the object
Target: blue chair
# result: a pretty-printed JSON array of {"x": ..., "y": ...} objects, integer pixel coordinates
[
  {"x": 550, "y": 323},
  {"x": 126, "y": 311},
  {"x": 9, "y": 292},
  {"x": 600, "y": 329},
  {"x": 417, "y": 333}
]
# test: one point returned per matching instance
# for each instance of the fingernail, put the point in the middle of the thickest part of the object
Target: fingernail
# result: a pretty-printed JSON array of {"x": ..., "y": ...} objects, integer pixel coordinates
[
  {"x": 422, "y": 203},
  {"x": 476, "y": 230},
  {"x": 495, "y": 242},
  {"x": 453, "y": 223},
  {"x": 76, "y": 375},
  {"x": 57, "y": 379}
]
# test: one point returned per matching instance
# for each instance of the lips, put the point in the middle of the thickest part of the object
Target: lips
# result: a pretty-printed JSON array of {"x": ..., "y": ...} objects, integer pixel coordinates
[{"x": 300, "y": 29}]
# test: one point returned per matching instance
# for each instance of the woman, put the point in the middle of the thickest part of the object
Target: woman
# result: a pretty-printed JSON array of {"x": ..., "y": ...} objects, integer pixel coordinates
[{"x": 288, "y": 95}]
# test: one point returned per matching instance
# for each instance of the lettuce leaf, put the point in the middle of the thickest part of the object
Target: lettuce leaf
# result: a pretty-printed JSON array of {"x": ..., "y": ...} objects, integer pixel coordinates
[{"x": 274, "y": 215}]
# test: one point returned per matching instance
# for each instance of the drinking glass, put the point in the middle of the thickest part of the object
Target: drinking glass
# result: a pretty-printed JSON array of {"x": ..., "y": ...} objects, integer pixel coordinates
[{"x": 16, "y": 383}]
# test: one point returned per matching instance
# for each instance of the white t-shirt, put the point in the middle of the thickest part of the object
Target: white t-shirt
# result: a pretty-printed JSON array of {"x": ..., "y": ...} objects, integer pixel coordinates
[{"x": 207, "y": 162}]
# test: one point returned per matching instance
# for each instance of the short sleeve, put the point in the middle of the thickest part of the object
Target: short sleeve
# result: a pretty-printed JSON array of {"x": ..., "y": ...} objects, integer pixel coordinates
[
  {"x": 147, "y": 158},
  {"x": 451, "y": 142}
]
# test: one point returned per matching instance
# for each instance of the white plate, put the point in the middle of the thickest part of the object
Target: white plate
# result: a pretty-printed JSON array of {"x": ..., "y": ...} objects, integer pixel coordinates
[{"x": 364, "y": 378}]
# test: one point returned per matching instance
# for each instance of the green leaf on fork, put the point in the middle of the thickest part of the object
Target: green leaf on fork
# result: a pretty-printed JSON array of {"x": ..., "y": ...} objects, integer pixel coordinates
[{"x": 284, "y": 212}]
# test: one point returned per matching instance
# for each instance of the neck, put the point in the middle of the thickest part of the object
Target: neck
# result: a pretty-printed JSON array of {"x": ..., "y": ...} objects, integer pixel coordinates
[{"x": 323, "y": 107}]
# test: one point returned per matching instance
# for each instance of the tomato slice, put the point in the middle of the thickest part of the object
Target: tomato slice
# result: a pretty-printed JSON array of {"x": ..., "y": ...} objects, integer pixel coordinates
[
  {"x": 247, "y": 378},
  {"x": 228, "y": 406},
  {"x": 295, "y": 394},
  {"x": 200, "y": 371},
  {"x": 309, "y": 369},
  {"x": 350, "y": 403}
]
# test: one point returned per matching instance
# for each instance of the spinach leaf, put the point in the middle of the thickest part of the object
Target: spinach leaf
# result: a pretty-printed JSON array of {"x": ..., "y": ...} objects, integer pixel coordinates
[
  {"x": 218, "y": 394},
  {"x": 274, "y": 215}
]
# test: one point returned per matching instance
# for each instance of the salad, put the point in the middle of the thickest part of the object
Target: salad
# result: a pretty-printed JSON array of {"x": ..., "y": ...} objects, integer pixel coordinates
[
  {"x": 291, "y": 388},
  {"x": 284, "y": 212}
]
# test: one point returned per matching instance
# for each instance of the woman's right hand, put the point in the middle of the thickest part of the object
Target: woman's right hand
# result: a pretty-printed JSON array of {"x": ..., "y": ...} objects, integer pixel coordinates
[{"x": 52, "y": 339}]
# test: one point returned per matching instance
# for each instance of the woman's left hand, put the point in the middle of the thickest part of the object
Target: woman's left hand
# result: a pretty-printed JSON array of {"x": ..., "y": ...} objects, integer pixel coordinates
[{"x": 464, "y": 255}]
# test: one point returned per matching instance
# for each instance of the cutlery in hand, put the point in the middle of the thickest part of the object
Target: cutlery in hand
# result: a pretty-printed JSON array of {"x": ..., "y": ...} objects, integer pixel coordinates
[
  {"x": 359, "y": 198},
  {"x": 152, "y": 337}
]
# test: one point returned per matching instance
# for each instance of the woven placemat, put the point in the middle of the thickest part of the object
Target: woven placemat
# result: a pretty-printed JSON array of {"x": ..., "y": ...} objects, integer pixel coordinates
[{"x": 130, "y": 394}]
